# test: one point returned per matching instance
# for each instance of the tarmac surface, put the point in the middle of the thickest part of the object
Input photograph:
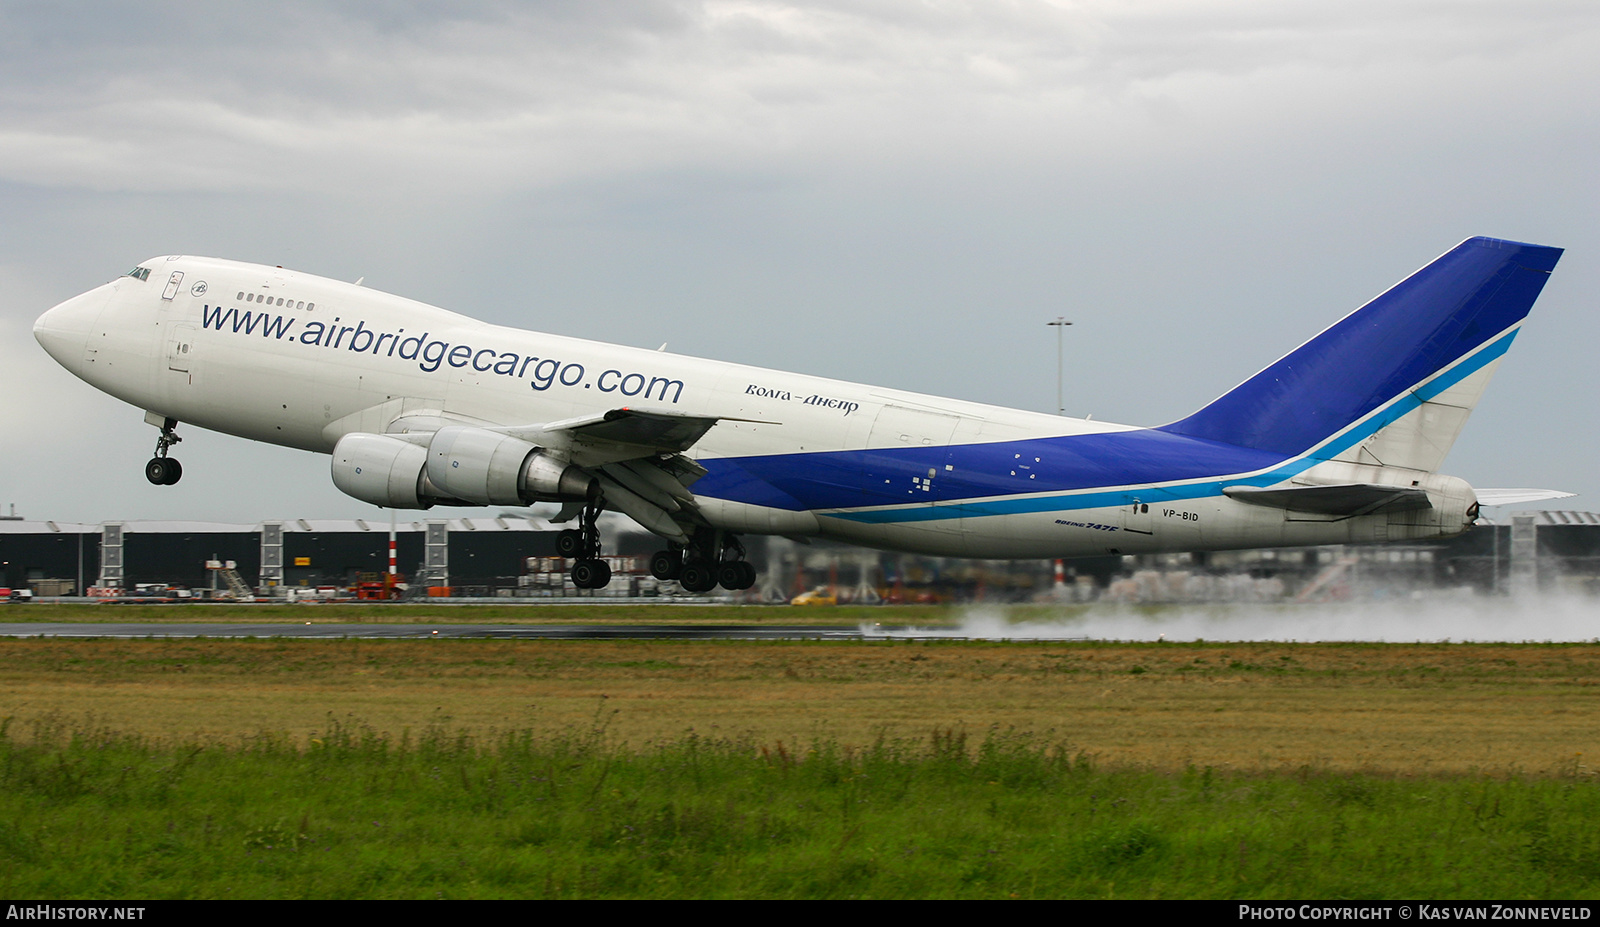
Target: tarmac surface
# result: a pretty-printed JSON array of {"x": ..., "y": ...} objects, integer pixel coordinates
[{"x": 402, "y": 631}]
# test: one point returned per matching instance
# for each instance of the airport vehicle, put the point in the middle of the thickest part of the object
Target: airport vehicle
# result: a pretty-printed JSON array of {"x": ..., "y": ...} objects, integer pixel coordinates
[
  {"x": 1336, "y": 442},
  {"x": 817, "y": 596}
]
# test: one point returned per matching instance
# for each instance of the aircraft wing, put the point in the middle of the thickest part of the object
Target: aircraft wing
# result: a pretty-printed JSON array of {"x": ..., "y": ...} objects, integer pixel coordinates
[
  {"x": 1345, "y": 500},
  {"x": 660, "y": 432},
  {"x": 635, "y": 456}
]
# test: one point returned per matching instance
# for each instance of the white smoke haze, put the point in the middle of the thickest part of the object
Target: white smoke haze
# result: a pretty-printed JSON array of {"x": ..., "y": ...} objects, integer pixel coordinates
[{"x": 1538, "y": 619}]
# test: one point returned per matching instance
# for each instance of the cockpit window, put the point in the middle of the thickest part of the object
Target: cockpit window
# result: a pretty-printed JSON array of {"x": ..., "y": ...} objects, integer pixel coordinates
[{"x": 141, "y": 273}]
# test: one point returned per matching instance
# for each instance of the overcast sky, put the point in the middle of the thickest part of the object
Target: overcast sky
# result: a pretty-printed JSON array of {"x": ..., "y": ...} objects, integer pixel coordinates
[{"x": 901, "y": 193}]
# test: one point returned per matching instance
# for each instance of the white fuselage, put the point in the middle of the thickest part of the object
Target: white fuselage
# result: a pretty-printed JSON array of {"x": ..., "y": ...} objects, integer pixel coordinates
[{"x": 299, "y": 360}]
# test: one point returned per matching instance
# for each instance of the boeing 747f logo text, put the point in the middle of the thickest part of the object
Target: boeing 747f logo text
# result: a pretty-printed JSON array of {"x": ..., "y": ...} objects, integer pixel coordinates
[
  {"x": 1084, "y": 524},
  {"x": 431, "y": 354}
]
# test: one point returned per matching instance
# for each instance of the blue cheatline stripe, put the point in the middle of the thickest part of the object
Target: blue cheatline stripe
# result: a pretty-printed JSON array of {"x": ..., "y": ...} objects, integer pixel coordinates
[
  {"x": 850, "y": 480},
  {"x": 1124, "y": 495}
]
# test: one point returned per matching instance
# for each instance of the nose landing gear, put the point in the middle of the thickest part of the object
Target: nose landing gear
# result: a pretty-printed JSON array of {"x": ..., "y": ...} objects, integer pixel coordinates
[{"x": 163, "y": 470}]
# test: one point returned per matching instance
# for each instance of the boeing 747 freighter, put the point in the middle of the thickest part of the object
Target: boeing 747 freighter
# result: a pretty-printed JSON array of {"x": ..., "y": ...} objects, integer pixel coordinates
[{"x": 1337, "y": 442}]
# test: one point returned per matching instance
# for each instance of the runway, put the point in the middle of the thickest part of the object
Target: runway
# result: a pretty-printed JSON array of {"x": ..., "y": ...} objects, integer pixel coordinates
[{"x": 414, "y": 631}]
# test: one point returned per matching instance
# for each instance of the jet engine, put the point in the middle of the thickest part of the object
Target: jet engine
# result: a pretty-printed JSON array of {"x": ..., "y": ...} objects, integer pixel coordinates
[{"x": 460, "y": 465}]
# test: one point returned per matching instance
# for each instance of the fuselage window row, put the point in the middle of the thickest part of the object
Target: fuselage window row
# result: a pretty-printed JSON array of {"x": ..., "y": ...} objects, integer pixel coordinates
[{"x": 254, "y": 298}]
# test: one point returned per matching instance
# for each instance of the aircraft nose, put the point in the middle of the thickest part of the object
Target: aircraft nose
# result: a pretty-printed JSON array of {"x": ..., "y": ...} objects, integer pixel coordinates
[{"x": 63, "y": 331}]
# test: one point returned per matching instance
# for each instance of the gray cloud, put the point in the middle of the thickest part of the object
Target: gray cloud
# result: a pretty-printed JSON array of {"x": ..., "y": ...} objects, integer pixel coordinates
[
  {"x": 450, "y": 98},
  {"x": 888, "y": 192}
]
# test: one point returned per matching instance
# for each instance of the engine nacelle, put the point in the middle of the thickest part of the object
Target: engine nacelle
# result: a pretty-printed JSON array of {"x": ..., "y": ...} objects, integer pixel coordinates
[
  {"x": 382, "y": 470},
  {"x": 477, "y": 465},
  {"x": 547, "y": 479},
  {"x": 487, "y": 468},
  {"x": 461, "y": 465}
]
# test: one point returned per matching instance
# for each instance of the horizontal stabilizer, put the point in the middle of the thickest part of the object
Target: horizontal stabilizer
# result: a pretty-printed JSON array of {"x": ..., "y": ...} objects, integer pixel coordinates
[
  {"x": 1514, "y": 496},
  {"x": 1344, "y": 500}
]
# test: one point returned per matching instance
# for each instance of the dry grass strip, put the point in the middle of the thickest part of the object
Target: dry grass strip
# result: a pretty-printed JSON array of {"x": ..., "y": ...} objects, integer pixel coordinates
[{"x": 1390, "y": 708}]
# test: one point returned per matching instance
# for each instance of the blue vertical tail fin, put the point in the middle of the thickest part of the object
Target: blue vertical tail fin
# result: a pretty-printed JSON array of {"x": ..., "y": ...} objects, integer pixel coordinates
[{"x": 1393, "y": 382}]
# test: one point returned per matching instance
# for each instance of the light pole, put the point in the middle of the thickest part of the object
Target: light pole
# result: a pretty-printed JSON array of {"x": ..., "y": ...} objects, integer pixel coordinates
[{"x": 1060, "y": 325}]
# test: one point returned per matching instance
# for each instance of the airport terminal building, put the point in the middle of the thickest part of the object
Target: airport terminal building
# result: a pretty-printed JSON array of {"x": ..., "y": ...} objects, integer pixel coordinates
[
  {"x": 515, "y": 556},
  {"x": 63, "y": 558}
]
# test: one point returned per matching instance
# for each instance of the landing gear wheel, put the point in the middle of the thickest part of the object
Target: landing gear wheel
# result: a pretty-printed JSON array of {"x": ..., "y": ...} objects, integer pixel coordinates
[
  {"x": 729, "y": 575},
  {"x": 736, "y": 575},
  {"x": 163, "y": 471},
  {"x": 666, "y": 565},
  {"x": 569, "y": 543},
  {"x": 698, "y": 576},
  {"x": 591, "y": 574}
]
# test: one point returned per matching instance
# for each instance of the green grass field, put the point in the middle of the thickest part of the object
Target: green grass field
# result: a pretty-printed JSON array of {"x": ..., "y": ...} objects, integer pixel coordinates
[
  {"x": 887, "y": 769},
  {"x": 354, "y": 814}
]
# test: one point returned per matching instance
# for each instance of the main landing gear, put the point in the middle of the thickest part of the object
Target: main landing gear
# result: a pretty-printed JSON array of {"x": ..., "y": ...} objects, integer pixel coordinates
[
  {"x": 583, "y": 542},
  {"x": 163, "y": 470},
  {"x": 712, "y": 558}
]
